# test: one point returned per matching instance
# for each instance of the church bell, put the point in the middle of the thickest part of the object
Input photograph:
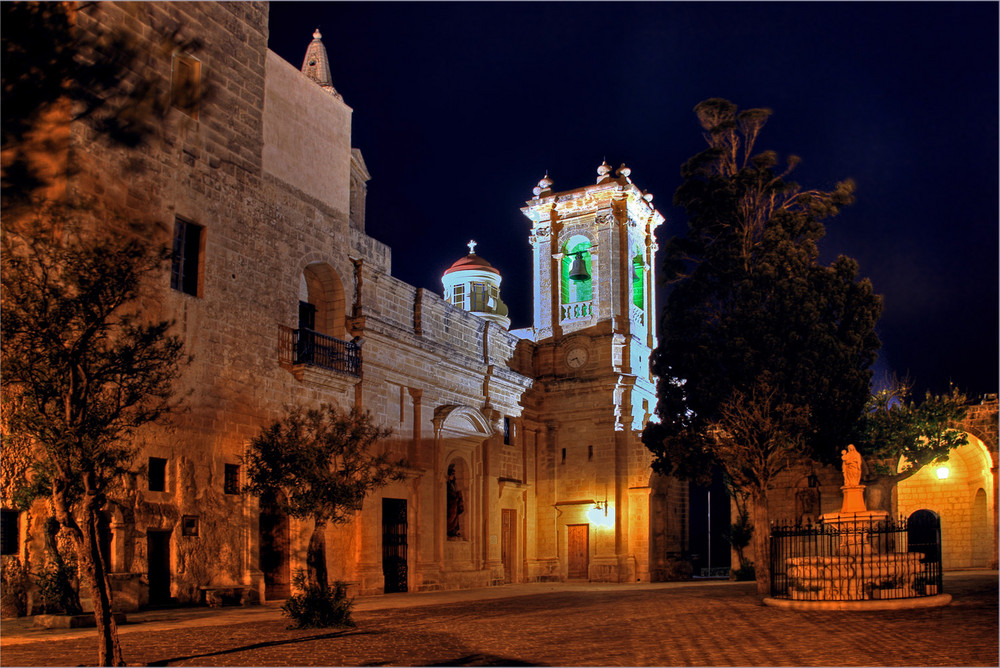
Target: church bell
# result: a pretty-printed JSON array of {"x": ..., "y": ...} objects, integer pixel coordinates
[{"x": 578, "y": 270}]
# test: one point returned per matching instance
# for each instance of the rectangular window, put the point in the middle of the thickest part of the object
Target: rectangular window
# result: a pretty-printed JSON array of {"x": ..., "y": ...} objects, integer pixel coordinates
[
  {"x": 231, "y": 485},
  {"x": 185, "y": 86},
  {"x": 10, "y": 531},
  {"x": 189, "y": 525},
  {"x": 458, "y": 295},
  {"x": 506, "y": 430},
  {"x": 185, "y": 267},
  {"x": 590, "y": 453},
  {"x": 564, "y": 455},
  {"x": 157, "y": 474},
  {"x": 478, "y": 297}
]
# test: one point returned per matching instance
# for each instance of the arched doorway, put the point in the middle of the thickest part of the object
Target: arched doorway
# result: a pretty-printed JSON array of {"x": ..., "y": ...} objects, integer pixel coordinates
[
  {"x": 923, "y": 534},
  {"x": 981, "y": 539},
  {"x": 274, "y": 550}
]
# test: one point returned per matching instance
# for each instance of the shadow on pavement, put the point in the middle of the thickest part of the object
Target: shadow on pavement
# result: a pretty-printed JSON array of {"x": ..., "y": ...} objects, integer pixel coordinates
[
  {"x": 261, "y": 645},
  {"x": 483, "y": 660}
]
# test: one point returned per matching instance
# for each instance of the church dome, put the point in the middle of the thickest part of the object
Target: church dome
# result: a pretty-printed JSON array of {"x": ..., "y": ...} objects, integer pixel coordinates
[
  {"x": 473, "y": 262},
  {"x": 473, "y": 284}
]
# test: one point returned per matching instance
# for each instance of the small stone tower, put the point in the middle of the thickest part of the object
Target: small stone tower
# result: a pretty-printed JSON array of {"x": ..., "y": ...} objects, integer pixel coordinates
[{"x": 473, "y": 284}]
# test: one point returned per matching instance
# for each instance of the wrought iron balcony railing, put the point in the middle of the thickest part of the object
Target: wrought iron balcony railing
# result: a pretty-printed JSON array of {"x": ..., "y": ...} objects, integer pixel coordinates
[{"x": 304, "y": 346}]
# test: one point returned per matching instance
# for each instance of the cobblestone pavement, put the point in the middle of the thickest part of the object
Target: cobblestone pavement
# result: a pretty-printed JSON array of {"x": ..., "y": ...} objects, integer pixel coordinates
[{"x": 675, "y": 624}]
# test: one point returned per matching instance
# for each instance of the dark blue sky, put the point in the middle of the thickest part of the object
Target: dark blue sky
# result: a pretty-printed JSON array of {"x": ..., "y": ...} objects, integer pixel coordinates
[{"x": 459, "y": 109}]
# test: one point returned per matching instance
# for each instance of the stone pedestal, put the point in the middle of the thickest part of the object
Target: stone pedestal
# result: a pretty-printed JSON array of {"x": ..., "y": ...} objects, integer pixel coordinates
[{"x": 854, "y": 499}]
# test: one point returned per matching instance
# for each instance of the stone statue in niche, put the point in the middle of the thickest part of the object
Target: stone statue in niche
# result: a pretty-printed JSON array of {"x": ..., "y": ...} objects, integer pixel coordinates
[
  {"x": 851, "y": 466},
  {"x": 455, "y": 505}
]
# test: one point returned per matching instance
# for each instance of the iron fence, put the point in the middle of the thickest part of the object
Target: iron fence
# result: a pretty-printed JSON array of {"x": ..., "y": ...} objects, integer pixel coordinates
[
  {"x": 304, "y": 346},
  {"x": 856, "y": 558}
]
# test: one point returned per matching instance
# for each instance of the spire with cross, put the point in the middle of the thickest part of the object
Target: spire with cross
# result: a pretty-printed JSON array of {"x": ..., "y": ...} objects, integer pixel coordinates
[{"x": 472, "y": 247}]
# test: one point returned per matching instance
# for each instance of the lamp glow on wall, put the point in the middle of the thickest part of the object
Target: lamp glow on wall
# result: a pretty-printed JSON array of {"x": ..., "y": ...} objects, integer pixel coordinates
[
  {"x": 942, "y": 472},
  {"x": 602, "y": 514}
]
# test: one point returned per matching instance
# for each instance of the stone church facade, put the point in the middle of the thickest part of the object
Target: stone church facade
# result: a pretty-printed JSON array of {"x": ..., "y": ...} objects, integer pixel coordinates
[{"x": 282, "y": 298}]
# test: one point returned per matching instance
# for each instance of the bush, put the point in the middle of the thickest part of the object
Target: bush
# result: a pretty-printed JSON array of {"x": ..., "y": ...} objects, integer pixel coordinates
[
  {"x": 56, "y": 591},
  {"x": 745, "y": 572},
  {"x": 14, "y": 591},
  {"x": 318, "y": 607}
]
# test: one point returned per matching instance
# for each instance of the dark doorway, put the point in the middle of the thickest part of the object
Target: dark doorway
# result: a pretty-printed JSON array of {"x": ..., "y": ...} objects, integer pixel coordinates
[
  {"x": 923, "y": 534},
  {"x": 158, "y": 562},
  {"x": 708, "y": 527},
  {"x": 394, "y": 545},
  {"x": 508, "y": 543},
  {"x": 578, "y": 551},
  {"x": 274, "y": 551}
]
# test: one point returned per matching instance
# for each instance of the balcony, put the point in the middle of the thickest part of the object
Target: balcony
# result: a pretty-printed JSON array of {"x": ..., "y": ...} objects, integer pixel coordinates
[
  {"x": 300, "y": 348},
  {"x": 576, "y": 311}
]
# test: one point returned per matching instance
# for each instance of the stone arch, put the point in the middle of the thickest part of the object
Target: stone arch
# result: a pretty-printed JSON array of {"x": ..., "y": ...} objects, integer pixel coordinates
[
  {"x": 321, "y": 287},
  {"x": 951, "y": 490},
  {"x": 462, "y": 421}
]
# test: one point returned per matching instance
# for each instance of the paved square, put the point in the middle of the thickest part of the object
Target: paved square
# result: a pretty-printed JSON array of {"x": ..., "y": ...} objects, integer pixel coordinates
[{"x": 669, "y": 624}]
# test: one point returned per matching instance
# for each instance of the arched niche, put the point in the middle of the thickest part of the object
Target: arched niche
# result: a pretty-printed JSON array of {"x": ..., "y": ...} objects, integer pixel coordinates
[{"x": 322, "y": 301}]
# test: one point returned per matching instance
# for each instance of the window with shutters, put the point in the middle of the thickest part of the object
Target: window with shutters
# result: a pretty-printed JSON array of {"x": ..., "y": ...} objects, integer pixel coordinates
[{"x": 186, "y": 260}]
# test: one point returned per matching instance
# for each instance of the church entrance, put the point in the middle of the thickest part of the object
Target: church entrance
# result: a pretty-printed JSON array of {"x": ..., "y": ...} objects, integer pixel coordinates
[
  {"x": 394, "y": 567},
  {"x": 274, "y": 551},
  {"x": 578, "y": 551},
  {"x": 508, "y": 543}
]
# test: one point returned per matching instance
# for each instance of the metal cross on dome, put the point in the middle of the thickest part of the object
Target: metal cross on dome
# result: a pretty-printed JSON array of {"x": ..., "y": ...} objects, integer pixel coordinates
[{"x": 472, "y": 247}]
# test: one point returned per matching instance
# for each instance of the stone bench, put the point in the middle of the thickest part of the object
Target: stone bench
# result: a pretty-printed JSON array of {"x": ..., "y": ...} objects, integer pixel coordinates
[{"x": 216, "y": 597}]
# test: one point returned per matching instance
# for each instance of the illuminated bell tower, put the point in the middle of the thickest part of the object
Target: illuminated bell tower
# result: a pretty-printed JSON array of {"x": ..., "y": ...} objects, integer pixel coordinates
[{"x": 594, "y": 329}]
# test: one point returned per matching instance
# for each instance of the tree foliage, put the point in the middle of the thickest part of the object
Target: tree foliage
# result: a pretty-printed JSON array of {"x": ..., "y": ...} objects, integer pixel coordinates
[
  {"x": 765, "y": 353},
  {"x": 319, "y": 463},
  {"x": 83, "y": 373},
  {"x": 97, "y": 77},
  {"x": 899, "y": 436}
]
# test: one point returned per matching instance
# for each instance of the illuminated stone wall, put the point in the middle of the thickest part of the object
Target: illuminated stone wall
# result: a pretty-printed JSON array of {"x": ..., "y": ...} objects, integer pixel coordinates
[{"x": 265, "y": 169}]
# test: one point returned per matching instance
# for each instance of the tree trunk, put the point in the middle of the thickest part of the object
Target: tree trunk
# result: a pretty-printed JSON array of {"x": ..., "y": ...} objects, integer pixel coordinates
[
  {"x": 880, "y": 493},
  {"x": 316, "y": 556},
  {"x": 761, "y": 542},
  {"x": 88, "y": 550},
  {"x": 92, "y": 562}
]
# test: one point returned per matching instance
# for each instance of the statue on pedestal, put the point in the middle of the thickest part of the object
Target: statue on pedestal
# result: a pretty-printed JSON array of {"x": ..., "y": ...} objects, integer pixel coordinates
[{"x": 851, "y": 466}]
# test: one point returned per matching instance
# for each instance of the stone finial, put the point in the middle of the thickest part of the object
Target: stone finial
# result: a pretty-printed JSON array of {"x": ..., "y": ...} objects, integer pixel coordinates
[
  {"x": 544, "y": 186},
  {"x": 623, "y": 171},
  {"x": 316, "y": 64},
  {"x": 602, "y": 172}
]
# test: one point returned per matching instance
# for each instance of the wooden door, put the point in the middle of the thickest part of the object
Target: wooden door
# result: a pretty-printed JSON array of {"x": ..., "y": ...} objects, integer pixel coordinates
[
  {"x": 274, "y": 549},
  {"x": 578, "y": 551},
  {"x": 508, "y": 543}
]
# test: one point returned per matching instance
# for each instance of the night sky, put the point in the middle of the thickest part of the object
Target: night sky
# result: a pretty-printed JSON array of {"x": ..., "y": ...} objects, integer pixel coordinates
[{"x": 459, "y": 109}]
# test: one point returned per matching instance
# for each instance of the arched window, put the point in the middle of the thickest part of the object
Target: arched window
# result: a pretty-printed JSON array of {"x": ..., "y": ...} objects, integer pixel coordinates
[
  {"x": 638, "y": 280},
  {"x": 574, "y": 291}
]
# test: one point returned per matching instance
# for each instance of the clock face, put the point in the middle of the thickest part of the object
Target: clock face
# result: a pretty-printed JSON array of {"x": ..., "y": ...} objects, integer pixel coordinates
[{"x": 576, "y": 357}]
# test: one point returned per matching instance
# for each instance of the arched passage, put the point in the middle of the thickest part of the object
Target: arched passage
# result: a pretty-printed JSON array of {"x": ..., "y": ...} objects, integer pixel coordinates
[{"x": 952, "y": 490}]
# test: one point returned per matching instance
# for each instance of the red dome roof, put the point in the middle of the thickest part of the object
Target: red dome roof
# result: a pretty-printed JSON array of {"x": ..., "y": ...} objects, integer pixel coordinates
[{"x": 471, "y": 261}]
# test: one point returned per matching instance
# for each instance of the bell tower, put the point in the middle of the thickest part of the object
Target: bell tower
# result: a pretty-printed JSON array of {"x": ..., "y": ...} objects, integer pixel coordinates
[{"x": 594, "y": 329}]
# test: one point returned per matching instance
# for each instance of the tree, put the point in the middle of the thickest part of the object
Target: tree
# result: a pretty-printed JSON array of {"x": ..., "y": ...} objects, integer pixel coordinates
[
  {"x": 55, "y": 73},
  {"x": 899, "y": 436},
  {"x": 765, "y": 354},
  {"x": 83, "y": 373},
  {"x": 319, "y": 463}
]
